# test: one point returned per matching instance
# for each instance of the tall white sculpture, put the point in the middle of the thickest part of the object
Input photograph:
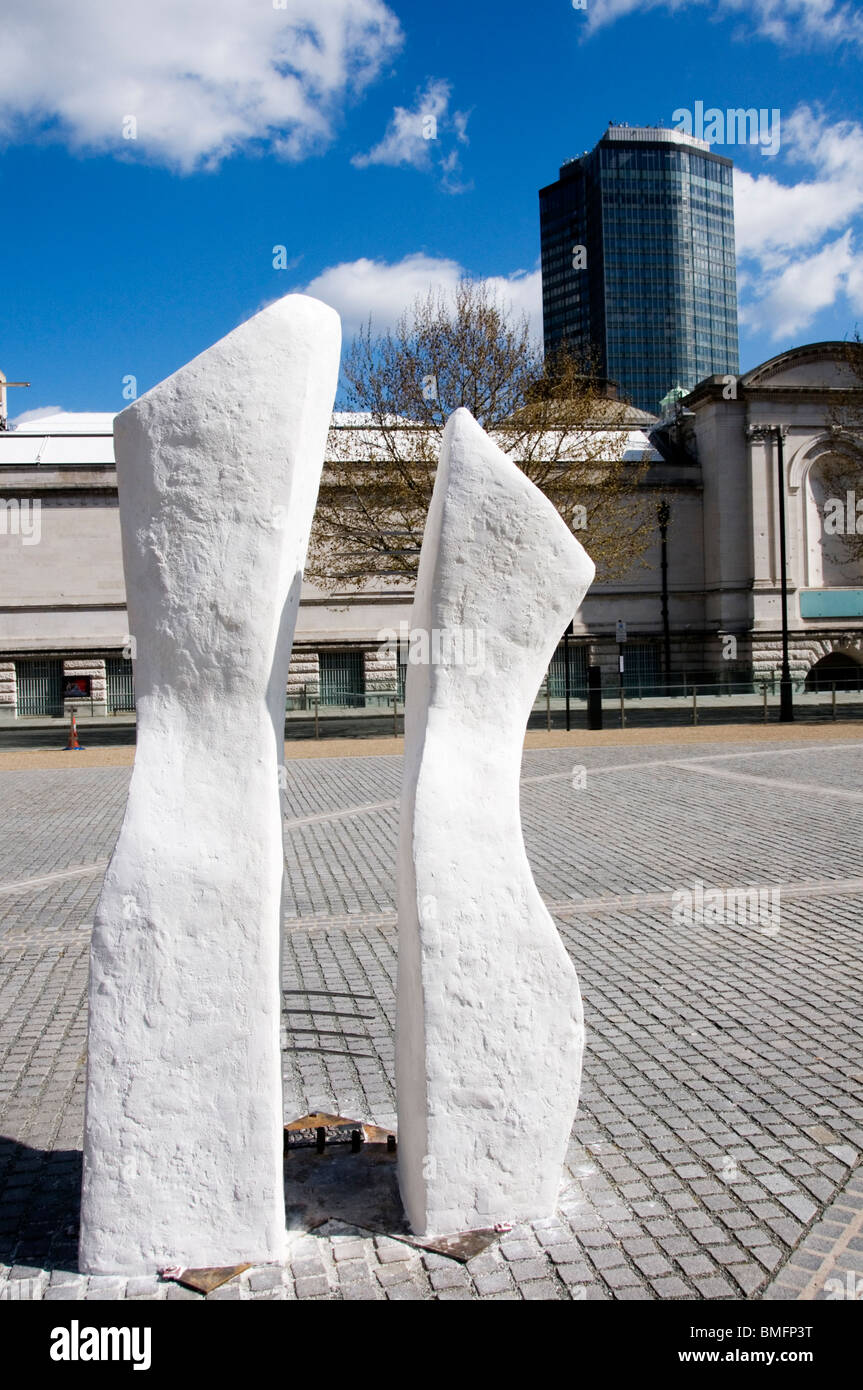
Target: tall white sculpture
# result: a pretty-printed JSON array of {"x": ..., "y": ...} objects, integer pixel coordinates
[
  {"x": 218, "y": 471},
  {"x": 489, "y": 1035}
]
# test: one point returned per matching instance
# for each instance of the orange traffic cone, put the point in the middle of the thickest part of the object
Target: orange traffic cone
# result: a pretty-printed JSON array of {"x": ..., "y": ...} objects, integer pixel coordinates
[{"x": 73, "y": 745}]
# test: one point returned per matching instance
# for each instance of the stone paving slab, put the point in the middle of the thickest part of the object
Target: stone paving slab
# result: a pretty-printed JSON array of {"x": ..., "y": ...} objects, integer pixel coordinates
[
  {"x": 715, "y": 1154},
  {"x": 827, "y": 1265}
]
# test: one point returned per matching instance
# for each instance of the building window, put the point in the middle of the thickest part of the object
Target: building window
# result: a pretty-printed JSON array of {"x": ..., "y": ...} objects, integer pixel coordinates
[
  {"x": 642, "y": 669},
  {"x": 577, "y": 673},
  {"x": 40, "y": 687},
  {"x": 343, "y": 680},
  {"x": 120, "y": 684}
]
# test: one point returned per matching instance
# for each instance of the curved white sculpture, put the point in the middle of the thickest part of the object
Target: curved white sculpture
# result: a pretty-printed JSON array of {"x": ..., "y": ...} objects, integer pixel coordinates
[
  {"x": 218, "y": 471},
  {"x": 489, "y": 1035}
]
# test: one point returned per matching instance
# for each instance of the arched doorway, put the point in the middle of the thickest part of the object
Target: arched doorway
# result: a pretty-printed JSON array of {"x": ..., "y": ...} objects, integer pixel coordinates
[{"x": 838, "y": 668}]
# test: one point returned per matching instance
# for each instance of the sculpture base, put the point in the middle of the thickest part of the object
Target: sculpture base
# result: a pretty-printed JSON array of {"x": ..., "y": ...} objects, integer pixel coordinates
[{"x": 341, "y": 1185}]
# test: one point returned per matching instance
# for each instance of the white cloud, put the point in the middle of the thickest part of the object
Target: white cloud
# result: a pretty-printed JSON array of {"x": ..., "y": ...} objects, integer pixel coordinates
[
  {"x": 384, "y": 289},
  {"x": 801, "y": 289},
  {"x": 774, "y": 217},
  {"x": 789, "y": 272},
  {"x": 422, "y": 136},
  {"x": 854, "y": 285},
  {"x": 42, "y": 412},
  {"x": 202, "y": 78},
  {"x": 791, "y": 22}
]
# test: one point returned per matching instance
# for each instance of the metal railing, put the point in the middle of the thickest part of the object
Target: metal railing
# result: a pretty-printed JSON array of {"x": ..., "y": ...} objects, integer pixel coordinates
[
  {"x": 689, "y": 700},
  {"x": 686, "y": 701},
  {"x": 367, "y": 712}
]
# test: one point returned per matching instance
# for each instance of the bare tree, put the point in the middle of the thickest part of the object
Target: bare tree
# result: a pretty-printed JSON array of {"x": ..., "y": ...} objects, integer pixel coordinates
[{"x": 551, "y": 416}]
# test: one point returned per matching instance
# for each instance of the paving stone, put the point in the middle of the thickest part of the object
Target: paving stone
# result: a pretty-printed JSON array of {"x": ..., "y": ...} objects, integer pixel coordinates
[
  {"x": 717, "y": 1287},
  {"x": 522, "y": 1270},
  {"x": 768, "y": 1255},
  {"x": 540, "y": 1289},
  {"x": 748, "y": 1276},
  {"x": 671, "y": 1288},
  {"x": 653, "y": 1265},
  {"x": 431, "y": 1260},
  {"x": 273, "y": 1278},
  {"x": 551, "y": 1232},
  {"x": 641, "y": 1246},
  {"x": 800, "y": 1206},
  {"x": 454, "y": 1277},
  {"x": 655, "y": 1143},
  {"x": 753, "y": 1237},
  {"x": 393, "y": 1251},
  {"x": 795, "y": 1278},
  {"x": 492, "y": 1283},
  {"x": 607, "y": 1257},
  {"x": 787, "y": 1230},
  {"x": 387, "y": 1275},
  {"x": 311, "y": 1286},
  {"x": 591, "y": 1240},
  {"x": 564, "y": 1254},
  {"x": 678, "y": 1245},
  {"x": 575, "y": 1274},
  {"x": 365, "y": 1291},
  {"x": 696, "y": 1264},
  {"x": 141, "y": 1288},
  {"x": 708, "y": 1235},
  {"x": 805, "y": 1259},
  {"x": 105, "y": 1287},
  {"x": 348, "y": 1250},
  {"x": 407, "y": 1290},
  {"x": 620, "y": 1276}
]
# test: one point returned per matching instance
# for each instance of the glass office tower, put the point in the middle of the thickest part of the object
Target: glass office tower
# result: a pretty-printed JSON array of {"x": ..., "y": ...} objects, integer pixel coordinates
[{"x": 654, "y": 290}]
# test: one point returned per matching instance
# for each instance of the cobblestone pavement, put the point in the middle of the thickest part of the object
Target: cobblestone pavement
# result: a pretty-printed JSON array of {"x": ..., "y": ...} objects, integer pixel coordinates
[{"x": 716, "y": 1149}]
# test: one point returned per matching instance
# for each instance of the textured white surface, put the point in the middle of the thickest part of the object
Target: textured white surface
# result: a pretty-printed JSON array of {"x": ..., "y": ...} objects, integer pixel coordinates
[
  {"x": 218, "y": 472},
  {"x": 489, "y": 1035}
]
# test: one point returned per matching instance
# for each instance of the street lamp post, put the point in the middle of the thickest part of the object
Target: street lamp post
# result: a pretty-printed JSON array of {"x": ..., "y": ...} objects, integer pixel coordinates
[
  {"x": 786, "y": 697},
  {"x": 663, "y": 515},
  {"x": 786, "y": 693},
  {"x": 566, "y": 637}
]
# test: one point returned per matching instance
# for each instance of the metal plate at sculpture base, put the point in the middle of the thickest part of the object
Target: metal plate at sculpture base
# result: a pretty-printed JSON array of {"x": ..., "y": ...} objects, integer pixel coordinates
[
  {"x": 212, "y": 1277},
  {"x": 303, "y": 1132},
  {"x": 463, "y": 1247},
  {"x": 357, "y": 1190}
]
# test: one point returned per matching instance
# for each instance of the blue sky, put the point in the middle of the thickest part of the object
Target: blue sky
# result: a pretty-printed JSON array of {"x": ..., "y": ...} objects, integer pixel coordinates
[{"x": 262, "y": 124}]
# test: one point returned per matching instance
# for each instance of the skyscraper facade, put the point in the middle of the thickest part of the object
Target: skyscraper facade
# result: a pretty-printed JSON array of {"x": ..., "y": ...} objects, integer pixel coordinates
[{"x": 638, "y": 261}]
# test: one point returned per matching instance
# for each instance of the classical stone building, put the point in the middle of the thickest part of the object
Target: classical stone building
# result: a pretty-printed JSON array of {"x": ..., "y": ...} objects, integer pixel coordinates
[
  {"x": 64, "y": 635},
  {"x": 814, "y": 397}
]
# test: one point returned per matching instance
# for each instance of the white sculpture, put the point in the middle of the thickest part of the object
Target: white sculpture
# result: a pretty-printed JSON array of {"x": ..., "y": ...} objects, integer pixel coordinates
[
  {"x": 489, "y": 1034},
  {"x": 218, "y": 471}
]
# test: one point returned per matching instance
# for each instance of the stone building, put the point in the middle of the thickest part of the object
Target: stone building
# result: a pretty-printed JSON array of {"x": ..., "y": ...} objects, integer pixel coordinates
[
  {"x": 812, "y": 394},
  {"x": 64, "y": 636}
]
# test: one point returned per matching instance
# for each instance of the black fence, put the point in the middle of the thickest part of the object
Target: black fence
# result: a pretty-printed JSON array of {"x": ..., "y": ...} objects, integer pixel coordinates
[{"x": 686, "y": 700}]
